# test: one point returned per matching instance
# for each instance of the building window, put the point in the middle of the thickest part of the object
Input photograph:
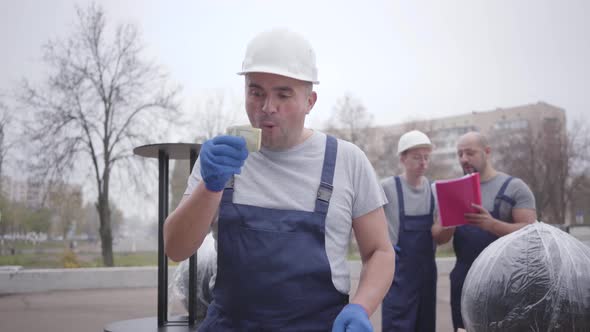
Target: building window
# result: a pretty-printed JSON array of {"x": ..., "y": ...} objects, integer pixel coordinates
[{"x": 511, "y": 125}]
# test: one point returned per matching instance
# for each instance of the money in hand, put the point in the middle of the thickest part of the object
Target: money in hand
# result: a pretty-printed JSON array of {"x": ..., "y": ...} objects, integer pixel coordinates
[{"x": 250, "y": 134}]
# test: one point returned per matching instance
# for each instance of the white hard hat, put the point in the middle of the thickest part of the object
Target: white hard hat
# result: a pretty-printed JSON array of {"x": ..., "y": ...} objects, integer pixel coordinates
[
  {"x": 281, "y": 52},
  {"x": 413, "y": 139}
]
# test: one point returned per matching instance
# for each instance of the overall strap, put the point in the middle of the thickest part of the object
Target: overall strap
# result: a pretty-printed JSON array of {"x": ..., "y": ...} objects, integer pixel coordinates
[
  {"x": 400, "y": 197},
  {"x": 325, "y": 189},
  {"x": 228, "y": 191},
  {"x": 502, "y": 197}
]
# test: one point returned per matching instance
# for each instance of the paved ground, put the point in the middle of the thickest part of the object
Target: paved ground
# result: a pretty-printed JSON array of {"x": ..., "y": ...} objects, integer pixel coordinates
[
  {"x": 84, "y": 310},
  {"x": 91, "y": 310}
]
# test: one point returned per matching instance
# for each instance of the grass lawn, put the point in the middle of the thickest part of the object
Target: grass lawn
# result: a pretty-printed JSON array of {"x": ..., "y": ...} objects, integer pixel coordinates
[
  {"x": 21, "y": 245},
  {"x": 55, "y": 255},
  {"x": 32, "y": 260},
  {"x": 56, "y": 260}
]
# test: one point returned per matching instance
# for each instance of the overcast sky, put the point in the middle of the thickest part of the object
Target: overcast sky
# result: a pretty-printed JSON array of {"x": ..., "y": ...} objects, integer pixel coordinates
[{"x": 402, "y": 59}]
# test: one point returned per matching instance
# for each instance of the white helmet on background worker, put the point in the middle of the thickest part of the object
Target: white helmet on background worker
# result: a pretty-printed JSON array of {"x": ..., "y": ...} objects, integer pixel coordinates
[
  {"x": 281, "y": 52},
  {"x": 413, "y": 139}
]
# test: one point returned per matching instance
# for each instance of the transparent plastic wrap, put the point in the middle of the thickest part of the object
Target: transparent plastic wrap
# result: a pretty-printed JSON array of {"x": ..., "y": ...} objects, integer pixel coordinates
[
  {"x": 535, "y": 279},
  {"x": 206, "y": 270}
]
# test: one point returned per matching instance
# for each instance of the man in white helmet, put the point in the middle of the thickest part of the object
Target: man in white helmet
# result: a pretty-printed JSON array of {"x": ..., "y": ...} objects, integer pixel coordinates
[
  {"x": 284, "y": 214},
  {"x": 410, "y": 304}
]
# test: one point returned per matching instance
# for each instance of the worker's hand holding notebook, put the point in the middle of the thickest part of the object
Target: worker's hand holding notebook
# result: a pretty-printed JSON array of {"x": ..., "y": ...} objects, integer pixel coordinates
[{"x": 454, "y": 198}]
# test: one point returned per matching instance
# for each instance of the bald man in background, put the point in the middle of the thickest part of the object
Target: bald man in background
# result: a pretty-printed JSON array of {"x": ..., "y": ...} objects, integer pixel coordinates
[{"x": 507, "y": 205}]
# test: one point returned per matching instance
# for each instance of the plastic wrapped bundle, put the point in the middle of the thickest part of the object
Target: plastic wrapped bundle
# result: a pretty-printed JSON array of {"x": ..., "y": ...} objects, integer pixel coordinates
[
  {"x": 535, "y": 279},
  {"x": 206, "y": 270}
]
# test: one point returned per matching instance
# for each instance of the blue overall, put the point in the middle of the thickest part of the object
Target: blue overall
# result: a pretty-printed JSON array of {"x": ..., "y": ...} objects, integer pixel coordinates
[
  {"x": 273, "y": 273},
  {"x": 410, "y": 303},
  {"x": 469, "y": 241}
]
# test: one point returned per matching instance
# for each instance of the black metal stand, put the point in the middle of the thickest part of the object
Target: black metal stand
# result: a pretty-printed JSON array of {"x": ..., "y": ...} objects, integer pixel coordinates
[{"x": 165, "y": 152}]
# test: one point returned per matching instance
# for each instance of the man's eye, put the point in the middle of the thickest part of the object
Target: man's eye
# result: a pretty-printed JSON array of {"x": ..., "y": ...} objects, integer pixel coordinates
[
  {"x": 283, "y": 96},
  {"x": 255, "y": 93}
]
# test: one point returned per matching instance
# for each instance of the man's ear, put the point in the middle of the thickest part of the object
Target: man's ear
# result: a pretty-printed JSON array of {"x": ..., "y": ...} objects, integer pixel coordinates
[{"x": 311, "y": 99}]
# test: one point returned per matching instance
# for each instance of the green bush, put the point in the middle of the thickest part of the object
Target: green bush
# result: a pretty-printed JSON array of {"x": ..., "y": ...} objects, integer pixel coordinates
[{"x": 69, "y": 259}]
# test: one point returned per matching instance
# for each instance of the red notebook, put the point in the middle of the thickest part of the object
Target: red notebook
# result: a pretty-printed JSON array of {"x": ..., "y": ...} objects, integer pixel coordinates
[{"x": 455, "y": 197}]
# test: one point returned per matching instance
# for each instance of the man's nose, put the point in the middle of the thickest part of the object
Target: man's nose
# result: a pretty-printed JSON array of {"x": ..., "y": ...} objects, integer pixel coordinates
[{"x": 269, "y": 105}]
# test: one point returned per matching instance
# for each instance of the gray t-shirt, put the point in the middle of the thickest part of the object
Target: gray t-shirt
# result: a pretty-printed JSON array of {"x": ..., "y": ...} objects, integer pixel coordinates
[
  {"x": 417, "y": 201},
  {"x": 290, "y": 180},
  {"x": 517, "y": 190}
]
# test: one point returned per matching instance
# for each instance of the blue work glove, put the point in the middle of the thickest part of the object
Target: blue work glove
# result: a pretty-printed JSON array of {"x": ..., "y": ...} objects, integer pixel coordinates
[
  {"x": 221, "y": 158},
  {"x": 353, "y": 318}
]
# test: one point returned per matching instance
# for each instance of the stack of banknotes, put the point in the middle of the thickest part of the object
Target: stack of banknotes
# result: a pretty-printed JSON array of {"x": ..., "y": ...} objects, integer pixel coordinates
[{"x": 251, "y": 135}]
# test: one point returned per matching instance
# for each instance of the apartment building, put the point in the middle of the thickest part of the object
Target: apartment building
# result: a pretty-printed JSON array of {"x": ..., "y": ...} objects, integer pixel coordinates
[{"x": 23, "y": 191}]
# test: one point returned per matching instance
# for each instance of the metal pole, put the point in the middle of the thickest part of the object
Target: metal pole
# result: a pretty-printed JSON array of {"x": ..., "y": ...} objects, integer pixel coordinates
[
  {"x": 163, "y": 158},
  {"x": 192, "y": 273}
]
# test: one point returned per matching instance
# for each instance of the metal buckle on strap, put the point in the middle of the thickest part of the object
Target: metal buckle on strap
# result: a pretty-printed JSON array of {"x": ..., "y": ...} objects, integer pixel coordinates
[
  {"x": 230, "y": 183},
  {"x": 325, "y": 192}
]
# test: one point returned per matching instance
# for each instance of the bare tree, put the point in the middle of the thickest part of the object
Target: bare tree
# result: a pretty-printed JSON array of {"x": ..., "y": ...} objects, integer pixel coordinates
[
  {"x": 555, "y": 163},
  {"x": 6, "y": 144},
  {"x": 351, "y": 121},
  {"x": 580, "y": 198},
  {"x": 65, "y": 203},
  {"x": 387, "y": 162},
  {"x": 214, "y": 113},
  {"x": 99, "y": 101}
]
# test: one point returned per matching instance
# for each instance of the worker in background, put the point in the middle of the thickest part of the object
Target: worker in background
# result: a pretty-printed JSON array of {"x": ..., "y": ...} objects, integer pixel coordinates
[
  {"x": 410, "y": 304},
  {"x": 507, "y": 205}
]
